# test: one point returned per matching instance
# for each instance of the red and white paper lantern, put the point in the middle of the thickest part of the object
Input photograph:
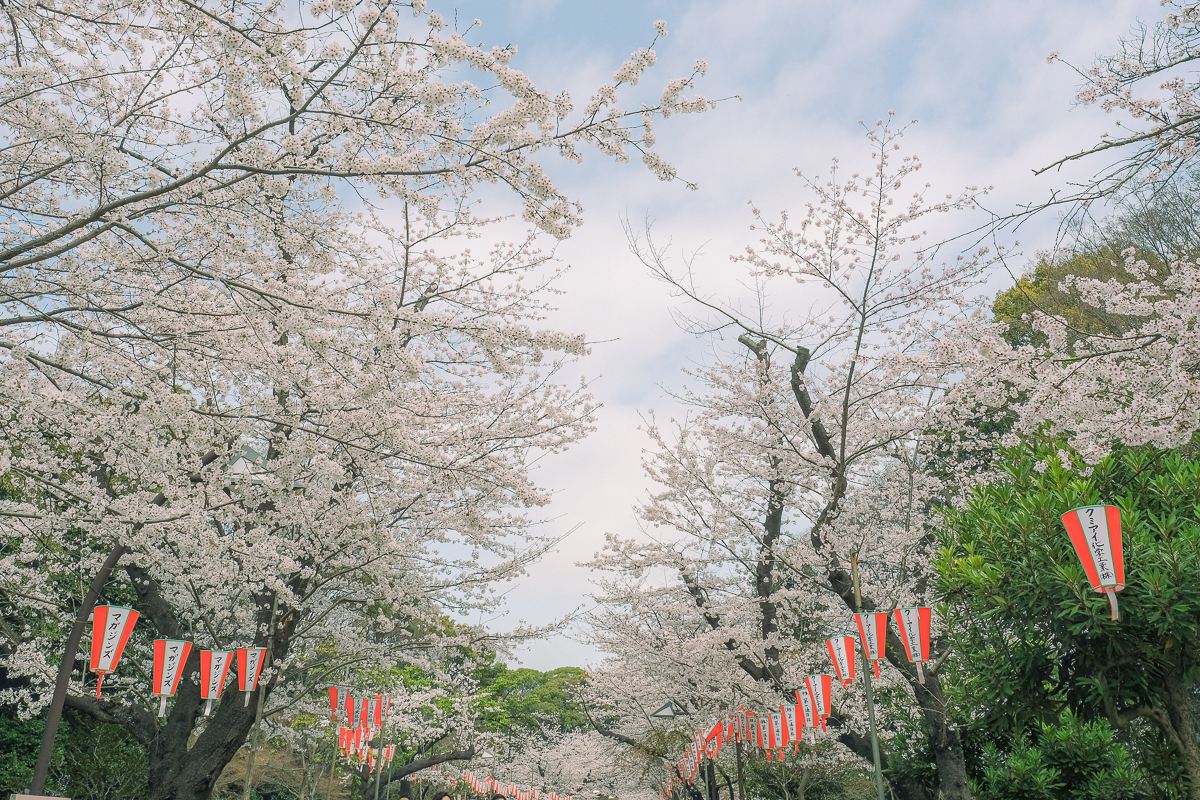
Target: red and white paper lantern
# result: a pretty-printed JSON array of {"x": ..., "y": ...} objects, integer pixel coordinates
[
  {"x": 1096, "y": 534},
  {"x": 872, "y": 632},
  {"x": 250, "y": 664},
  {"x": 111, "y": 626},
  {"x": 778, "y": 738},
  {"x": 804, "y": 697},
  {"x": 360, "y": 714},
  {"x": 214, "y": 669},
  {"x": 713, "y": 740},
  {"x": 913, "y": 626},
  {"x": 795, "y": 726},
  {"x": 821, "y": 689},
  {"x": 169, "y": 658},
  {"x": 373, "y": 712},
  {"x": 841, "y": 652},
  {"x": 334, "y": 695}
]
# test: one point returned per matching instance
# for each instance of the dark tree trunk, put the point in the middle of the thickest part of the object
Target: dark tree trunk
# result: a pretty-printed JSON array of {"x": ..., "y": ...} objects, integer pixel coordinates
[
  {"x": 402, "y": 772},
  {"x": 945, "y": 741},
  {"x": 1179, "y": 712},
  {"x": 177, "y": 773},
  {"x": 944, "y": 738}
]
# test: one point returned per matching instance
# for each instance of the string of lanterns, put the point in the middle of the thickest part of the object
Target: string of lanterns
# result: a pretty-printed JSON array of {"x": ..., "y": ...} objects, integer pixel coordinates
[
  {"x": 111, "y": 627},
  {"x": 775, "y": 731},
  {"x": 1095, "y": 533},
  {"x": 370, "y": 713},
  {"x": 485, "y": 786}
]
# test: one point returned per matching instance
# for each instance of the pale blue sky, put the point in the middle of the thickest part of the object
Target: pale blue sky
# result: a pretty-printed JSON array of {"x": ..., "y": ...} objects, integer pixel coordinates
[{"x": 973, "y": 73}]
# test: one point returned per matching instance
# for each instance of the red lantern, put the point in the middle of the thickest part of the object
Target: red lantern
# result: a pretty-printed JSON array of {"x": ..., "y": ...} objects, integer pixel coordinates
[
  {"x": 333, "y": 702},
  {"x": 214, "y": 668},
  {"x": 360, "y": 714},
  {"x": 250, "y": 664},
  {"x": 713, "y": 739},
  {"x": 821, "y": 687},
  {"x": 1096, "y": 534},
  {"x": 804, "y": 697},
  {"x": 778, "y": 739},
  {"x": 373, "y": 713},
  {"x": 111, "y": 626},
  {"x": 872, "y": 632},
  {"x": 913, "y": 625},
  {"x": 169, "y": 658},
  {"x": 841, "y": 651},
  {"x": 795, "y": 727}
]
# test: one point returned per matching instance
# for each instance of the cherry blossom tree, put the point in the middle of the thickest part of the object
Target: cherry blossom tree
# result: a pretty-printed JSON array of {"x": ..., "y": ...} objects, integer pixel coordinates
[
  {"x": 1136, "y": 383},
  {"x": 1156, "y": 127},
  {"x": 259, "y": 349},
  {"x": 1137, "y": 386},
  {"x": 577, "y": 764},
  {"x": 662, "y": 651},
  {"x": 806, "y": 448}
]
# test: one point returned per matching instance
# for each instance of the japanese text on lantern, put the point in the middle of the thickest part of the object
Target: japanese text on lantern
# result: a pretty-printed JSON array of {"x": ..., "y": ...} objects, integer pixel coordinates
[
  {"x": 112, "y": 635},
  {"x": 170, "y": 665},
  {"x": 1096, "y": 527}
]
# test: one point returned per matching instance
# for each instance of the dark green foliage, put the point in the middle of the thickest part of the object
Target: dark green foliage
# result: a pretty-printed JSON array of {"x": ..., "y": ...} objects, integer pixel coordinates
[
  {"x": 269, "y": 791},
  {"x": 19, "y": 741},
  {"x": 530, "y": 699},
  {"x": 772, "y": 780},
  {"x": 92, "y": 761},
  {"x": 1070, "y": 760},
  {"x": 1031, "y": 637},
  {"x": 101, "y": 762},
  {"x": 906, "y": 760}
]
